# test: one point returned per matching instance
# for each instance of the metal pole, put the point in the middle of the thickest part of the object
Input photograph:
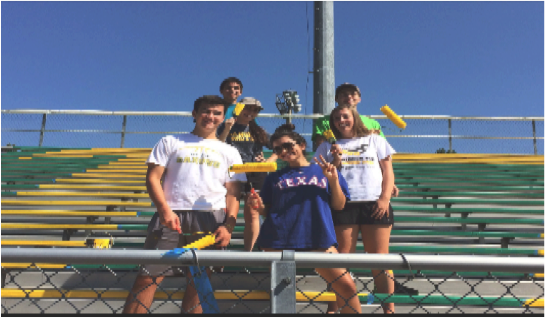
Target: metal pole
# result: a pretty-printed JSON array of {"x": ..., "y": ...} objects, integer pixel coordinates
[
  {"x": 42, "y": 131},
  {"x": 283, "y": 284},
  {"x": 450, "y": 135},
  {"x": 123, "y": 128},
  {"x": 302, "y": 259},
  {"x": 534, "y": 131},
  {"x": 324, "y": 58}
]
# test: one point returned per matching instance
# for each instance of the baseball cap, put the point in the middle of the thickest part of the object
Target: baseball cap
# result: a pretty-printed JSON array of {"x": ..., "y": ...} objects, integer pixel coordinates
[
  {"x": 251, "y": 101},
  {"x": 346, "y": 86}
]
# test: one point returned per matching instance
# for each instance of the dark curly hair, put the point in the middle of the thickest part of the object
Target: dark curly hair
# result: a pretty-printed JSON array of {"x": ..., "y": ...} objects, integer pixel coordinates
[
  {"x": 258, "y": 134},
  {"x": 288, "y": 130}
]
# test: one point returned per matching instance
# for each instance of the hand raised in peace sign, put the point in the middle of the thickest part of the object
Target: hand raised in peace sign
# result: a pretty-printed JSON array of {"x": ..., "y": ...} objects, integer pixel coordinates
[{"x": 329, "y": 170}]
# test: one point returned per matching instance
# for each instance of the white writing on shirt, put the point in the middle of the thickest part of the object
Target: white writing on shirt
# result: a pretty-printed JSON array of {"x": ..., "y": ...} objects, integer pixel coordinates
[{"x": 299, "y": 181}]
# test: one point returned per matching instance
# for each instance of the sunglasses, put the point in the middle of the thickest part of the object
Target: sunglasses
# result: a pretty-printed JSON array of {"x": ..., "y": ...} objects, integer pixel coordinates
[{"x": 287, "y": 145}]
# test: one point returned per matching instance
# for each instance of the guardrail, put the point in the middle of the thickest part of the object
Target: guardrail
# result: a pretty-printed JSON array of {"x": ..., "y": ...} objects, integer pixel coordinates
[
  {"x": 423, "y": 133},
  {"x": 286, "y": 292}
]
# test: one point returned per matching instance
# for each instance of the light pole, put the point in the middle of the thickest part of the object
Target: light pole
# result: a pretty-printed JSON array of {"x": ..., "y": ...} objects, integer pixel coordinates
[{"x": 288, "y": 103}]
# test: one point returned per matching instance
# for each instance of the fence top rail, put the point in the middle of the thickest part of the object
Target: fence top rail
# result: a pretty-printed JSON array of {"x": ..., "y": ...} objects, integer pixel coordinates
[
  {"x": 187, "y": 114},
  {"x": 302, "y": 259}
]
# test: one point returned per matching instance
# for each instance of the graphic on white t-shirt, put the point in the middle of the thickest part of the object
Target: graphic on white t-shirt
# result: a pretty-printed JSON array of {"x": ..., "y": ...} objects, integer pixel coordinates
[
  {"x": 360, "y": 164},
  {"x": 197, "y": 170}
]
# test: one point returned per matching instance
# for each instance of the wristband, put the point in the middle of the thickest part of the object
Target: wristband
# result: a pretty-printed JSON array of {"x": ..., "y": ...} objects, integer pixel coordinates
[{"x": 229, "y": 227}]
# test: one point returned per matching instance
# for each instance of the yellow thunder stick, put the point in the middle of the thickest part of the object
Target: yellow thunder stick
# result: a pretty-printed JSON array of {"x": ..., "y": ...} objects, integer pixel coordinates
[
  {"x": 238, "y": 108},
  {"x": 254, "y": 167},
  {"x": 393, "y": 117},
  {"x": 202, "y": 242}
]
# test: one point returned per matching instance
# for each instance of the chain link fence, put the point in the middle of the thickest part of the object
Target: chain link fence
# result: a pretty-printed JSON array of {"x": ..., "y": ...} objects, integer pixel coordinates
[
  {"x": 423, "y": 134},
  {"x": 268, "y": 282}
]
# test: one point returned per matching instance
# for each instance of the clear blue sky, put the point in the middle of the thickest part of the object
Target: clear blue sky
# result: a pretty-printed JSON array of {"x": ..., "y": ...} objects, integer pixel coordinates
[{"x": 438, "y": 58}]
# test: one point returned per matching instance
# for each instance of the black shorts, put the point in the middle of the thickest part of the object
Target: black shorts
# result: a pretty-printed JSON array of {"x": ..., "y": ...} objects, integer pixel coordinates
[
  {"x": 161, "y": 237},
  {"x": 360, "y": 213}
]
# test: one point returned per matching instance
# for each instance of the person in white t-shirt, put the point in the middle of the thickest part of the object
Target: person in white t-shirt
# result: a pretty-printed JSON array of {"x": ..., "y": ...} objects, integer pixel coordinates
[
  {"x": 364, "y": 159},
  {"x": 197, "y": 195}
]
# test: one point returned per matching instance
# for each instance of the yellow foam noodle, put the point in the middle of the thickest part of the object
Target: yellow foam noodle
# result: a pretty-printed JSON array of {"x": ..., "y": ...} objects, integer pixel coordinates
[
  {"x": 393, "y": 117},
  {"x": 254, "y": 167},
  {"x": 203, "y": 242},
  {"x": 238, "y": 108}
]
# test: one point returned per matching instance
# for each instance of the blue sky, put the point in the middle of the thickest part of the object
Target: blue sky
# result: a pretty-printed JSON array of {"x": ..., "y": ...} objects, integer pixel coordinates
[{"x": 421, "y": 58}]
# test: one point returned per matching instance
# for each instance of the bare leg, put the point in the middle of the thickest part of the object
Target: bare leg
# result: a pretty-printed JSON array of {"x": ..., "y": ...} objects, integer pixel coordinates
[
  {"x": 347, "y": 236},
  {"x": 343, "y": 286},
  {"x": 251, "y": 226},
  {"x": 141, "y": 295},
  {"x": 376, "y": 239}
]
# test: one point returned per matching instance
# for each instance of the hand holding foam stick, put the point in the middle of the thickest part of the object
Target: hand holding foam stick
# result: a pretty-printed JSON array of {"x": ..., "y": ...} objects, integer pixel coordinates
[
  {"x": 393, "y": 117},
  {"x": 254, "y": 200}
]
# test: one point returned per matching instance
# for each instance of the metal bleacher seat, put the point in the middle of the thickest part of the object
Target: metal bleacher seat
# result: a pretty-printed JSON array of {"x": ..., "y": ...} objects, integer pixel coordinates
[{"x": 67, "y": 198}]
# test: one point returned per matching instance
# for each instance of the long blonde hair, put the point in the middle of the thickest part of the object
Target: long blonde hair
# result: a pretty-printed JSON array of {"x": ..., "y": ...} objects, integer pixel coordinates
[{"x": 358, "y": 129}]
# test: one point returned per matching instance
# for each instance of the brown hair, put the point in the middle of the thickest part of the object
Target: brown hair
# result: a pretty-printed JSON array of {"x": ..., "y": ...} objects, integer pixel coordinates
[
  {"x": 208, "y": 100},
  {"x": 258, "y": 134},
  {"x": 358, "y": 129},
  {"x": 288, "y": 130}
]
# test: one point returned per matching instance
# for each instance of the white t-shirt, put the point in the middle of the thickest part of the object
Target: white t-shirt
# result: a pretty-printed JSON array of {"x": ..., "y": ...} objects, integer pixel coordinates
[
  {"x": 360, "y": 164},
  {"x": 196, "y": 171}
]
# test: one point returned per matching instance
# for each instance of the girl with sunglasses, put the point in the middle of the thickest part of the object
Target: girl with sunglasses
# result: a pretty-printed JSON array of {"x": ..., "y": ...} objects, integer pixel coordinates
[
  {"x": 296, "y": 204},
  {"x": 248, "y": 138},
  {"x": 364, "y": 159}
]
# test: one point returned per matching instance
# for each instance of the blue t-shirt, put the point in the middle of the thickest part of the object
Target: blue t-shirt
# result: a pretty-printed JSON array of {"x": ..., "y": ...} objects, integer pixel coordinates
[
  {"x": 299, "y": 213},
  {"x": 230, "y": 111}
]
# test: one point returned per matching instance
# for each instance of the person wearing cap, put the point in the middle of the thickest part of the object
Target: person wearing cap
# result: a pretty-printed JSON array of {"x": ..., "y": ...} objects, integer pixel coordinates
[
  {"x": 345, "y": 94},
  {"x": 249, "y": 139}
]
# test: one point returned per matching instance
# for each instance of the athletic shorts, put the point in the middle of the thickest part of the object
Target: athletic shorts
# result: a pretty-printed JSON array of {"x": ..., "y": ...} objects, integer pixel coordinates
[
  {"x": 160, "y": 237},
  {"x": 360, "y": 213}
]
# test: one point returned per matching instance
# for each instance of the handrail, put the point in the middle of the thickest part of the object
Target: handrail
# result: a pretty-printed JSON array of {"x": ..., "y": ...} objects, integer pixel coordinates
[
  {"x": 187, "y": 114},
  {"x": 302, "y": 259}
]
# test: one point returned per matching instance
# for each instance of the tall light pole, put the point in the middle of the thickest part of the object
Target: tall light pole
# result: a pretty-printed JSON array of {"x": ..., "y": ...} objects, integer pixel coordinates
[{"x": 324, "y": 58}]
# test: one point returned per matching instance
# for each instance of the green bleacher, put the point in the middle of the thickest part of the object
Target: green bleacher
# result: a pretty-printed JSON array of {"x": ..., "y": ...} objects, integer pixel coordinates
[{"x": 448, "y": 203}]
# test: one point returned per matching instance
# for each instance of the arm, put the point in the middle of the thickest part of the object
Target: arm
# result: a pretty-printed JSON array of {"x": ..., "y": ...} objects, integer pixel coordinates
[
  {"x": 254, "y": 200},
  {"x": 226, "y": 129},
  {"x": 156, "y": 194},
  {"x": 338, "y": 198},
  {"x": 383, "y": 202},
  {"x": 223, "y": 233},
  {"x": 272, "y": 158}
]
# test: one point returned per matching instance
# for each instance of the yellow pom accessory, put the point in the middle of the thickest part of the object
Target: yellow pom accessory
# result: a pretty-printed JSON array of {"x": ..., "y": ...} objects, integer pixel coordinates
[
  {"x": 254, "y": 167},
  {"x": 393, "y": 117},
  {"x": 238, "y": 108},
  {"x": 203, "y": 242},
  {"x": 328, "y": 134}
]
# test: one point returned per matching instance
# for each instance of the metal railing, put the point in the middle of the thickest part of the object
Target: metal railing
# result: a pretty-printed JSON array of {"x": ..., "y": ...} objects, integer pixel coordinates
[
  {"x": 446, "y": 284},
  {"x": 425, "y": 134}
]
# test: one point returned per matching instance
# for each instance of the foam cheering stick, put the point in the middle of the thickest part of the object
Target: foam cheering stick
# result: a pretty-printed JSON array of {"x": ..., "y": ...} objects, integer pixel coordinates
[
  {"x": 238, "y": 108},
  {"x": 253, "y": 167},
  {"x": 203, "y": 242},
  {"x": 393, "y": 117},
  {"x": 328, "y": 134}
]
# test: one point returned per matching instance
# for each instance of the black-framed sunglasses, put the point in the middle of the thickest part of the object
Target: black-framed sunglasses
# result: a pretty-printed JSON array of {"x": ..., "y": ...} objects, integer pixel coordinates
[{"x": 287, "y": 145}]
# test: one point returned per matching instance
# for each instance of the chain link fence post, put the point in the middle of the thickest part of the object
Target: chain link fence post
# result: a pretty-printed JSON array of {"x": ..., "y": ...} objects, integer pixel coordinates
[
  {"x": 42, "y": 131},
  {"x": 283, "y": 284},
  {"x": 123, "y": 128},
  {"x": 534, "y": 131},
  {"x": 450, "y": 135}
]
